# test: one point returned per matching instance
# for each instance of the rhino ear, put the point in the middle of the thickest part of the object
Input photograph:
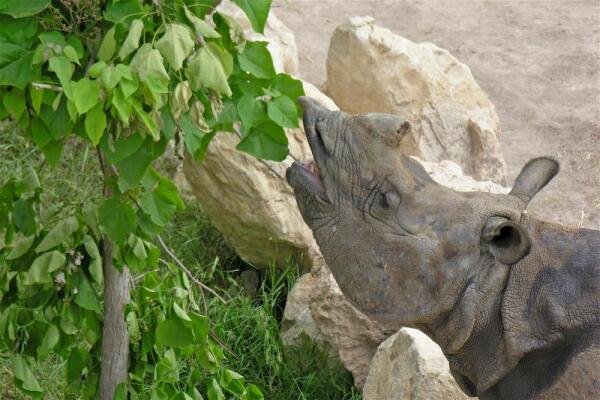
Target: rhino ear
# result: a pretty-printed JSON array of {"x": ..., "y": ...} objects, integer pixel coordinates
[
  {"x": 533, "y": 177},
  {"x": 507, "y": 240}
]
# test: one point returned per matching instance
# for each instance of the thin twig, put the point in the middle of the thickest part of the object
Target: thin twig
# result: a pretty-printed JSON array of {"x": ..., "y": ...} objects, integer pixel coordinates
[
  {"x": 222, "y": 343},
  {"x": 39, "y": 85},
  {"x": 187, "y": 271}
]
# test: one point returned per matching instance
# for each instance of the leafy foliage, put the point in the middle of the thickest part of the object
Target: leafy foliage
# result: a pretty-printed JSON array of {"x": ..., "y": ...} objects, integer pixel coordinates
[{"x": 126, "y": 77}]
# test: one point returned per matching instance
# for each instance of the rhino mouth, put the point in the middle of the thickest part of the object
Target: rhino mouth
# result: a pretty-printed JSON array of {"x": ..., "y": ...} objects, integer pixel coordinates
[{"x": 307, "y": 175}]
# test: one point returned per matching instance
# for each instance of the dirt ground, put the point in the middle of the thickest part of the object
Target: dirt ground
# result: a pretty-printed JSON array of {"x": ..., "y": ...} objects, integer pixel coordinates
[{"x": 539, "y": 62}]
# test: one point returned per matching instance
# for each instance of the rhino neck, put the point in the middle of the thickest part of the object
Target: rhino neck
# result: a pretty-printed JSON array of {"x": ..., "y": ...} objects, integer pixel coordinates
[
  {"x": 505, "y": 313},
  {"x": 551, "y": 296},
  {"x": 471, "y": 334}
]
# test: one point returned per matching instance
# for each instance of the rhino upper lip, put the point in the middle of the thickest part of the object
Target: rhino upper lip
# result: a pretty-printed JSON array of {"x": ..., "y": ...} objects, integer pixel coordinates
[{"x": 310, "y": 169}]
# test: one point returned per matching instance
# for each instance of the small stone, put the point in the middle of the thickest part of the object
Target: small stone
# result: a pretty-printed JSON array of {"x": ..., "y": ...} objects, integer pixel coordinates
[{"x": 409, "y": 365}]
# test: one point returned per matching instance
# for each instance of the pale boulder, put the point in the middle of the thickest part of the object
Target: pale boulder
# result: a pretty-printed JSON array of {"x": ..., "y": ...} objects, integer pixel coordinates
[
  {"x": 409, "y": 365},
  {"x": 371, "y": 69}
]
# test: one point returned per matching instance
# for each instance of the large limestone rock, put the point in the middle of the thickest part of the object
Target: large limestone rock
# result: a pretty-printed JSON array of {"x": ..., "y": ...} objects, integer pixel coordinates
[
  {"x": 371, "y": 69},
  {"x": 282, "y": 42},
  {"x": 409, "y": 365},
  {"x": 249, "y": 200}
]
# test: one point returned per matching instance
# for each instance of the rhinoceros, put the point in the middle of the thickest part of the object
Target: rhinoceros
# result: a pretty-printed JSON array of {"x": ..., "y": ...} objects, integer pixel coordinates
[{"x": 513, "y": 301}]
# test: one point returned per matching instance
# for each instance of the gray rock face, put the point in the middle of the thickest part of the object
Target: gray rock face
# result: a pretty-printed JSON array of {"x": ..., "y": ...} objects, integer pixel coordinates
[
  {"x": 371, "y": 69},
  {"x": 409, "y": 365}
]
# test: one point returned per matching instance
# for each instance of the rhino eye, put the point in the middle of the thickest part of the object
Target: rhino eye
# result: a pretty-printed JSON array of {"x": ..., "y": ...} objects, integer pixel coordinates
[{"x": 384, "y": 200}]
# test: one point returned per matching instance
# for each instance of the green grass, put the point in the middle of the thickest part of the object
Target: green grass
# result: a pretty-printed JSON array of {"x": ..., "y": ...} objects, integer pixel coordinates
[{"x": 248, "y": 325}]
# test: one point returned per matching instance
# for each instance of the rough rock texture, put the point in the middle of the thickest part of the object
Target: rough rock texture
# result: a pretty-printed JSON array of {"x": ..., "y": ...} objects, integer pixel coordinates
[
  {"x": 409, "y": 365},
  {"x": 449, "y": 173},
  {"x": 282, "y": 42},
  {"x": 297, "y": 318},
  {"x": 371, "y": 69},
  {"x": 249, "y": 200}
]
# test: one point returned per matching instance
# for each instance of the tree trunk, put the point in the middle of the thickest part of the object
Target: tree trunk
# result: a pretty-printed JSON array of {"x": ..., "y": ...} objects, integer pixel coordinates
[{"x": 115, "y": 338}]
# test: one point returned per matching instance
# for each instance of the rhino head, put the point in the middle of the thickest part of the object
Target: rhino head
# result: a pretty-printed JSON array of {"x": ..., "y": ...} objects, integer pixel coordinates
[{"x": 403, "y": 248}]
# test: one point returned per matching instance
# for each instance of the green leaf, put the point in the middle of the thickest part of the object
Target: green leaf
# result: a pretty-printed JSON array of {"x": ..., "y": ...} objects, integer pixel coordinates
[
  {"x": 201, "y": 28},
  {"x": 77, "y": 365},
  {"x": 214, "y": 391},
  {"x": 288, "y": 86},
  {"x": 121, "y": 391},
  {"x": 58, "y": 121},
  {"x": 173, "y": 333},
  {"x": 24, "y": 216},
  {"x": 251, "y": 111},
  {"x": 24, "y": 378},
  {"x": 20, "y": 72},
  {"x": 39, "y": 133},
  {"x": 267, "y": 140},
  {"x": 133, "y": 327},
  {"x": 36, "y": 96},
  {"x": 180, "y": 312},
  {"x": 52, "y": 152},
  {"x": 167, "y": 368},
  {"x": 123, "y": 11},
  {"x": 232, "y": 382},
  {"x": 86, "y": 94},
  {"x": 61, "y": 232},
  {"x": 132, "y": 41},
  {"x": 86, "y": 296},
  {"x": 175, "y": 45},
  {"x": 200, "y": 326},
  {"x": 43, "y": 266},
  {"x": 108, "y": 46},
  {"x": 22, "y": 8},
  {"x": 21, "y": 247},
  {"x": 71, "y": 54},
  {"x": 256, "y": 60},
  {"x": 50, "y": 340},
  {"x": 110, "y": 77},
  {"x": 148, "y": 62},
  {"x": 63, "y": 69},
  {"x": 158, "y": 207},
  {"x": 96, "y": 69},
  {"x": 196, "y": 142},
  {"x": 284, "y": 112},
  {"x": 122, "y": 105},
  {"x": 253, "y": 393},
  {"x": 95, "y": 123},
  {"x": 14, "y": 101},
  {"x": 257, "y": 12},
  {"x": 211, "y": 68},
  {"x": 180, "y": 98},
  {"x": 95, "y": 266},
  {"x": 116, "y": 219},
  {"x": 148, "y": 121}
]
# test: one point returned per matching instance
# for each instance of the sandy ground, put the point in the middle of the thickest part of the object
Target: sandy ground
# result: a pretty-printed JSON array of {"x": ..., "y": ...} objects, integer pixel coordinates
[{"x": 539, "y": 62}]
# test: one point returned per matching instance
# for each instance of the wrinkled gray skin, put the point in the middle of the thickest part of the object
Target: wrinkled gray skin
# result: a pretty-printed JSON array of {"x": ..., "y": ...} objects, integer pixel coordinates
[{"x": 512, "y": 301}]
